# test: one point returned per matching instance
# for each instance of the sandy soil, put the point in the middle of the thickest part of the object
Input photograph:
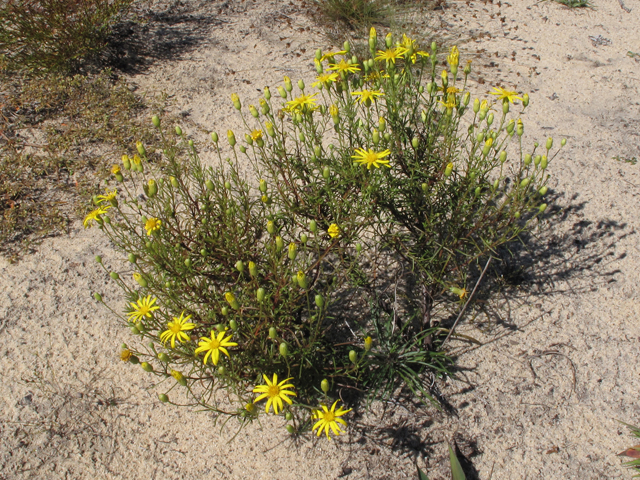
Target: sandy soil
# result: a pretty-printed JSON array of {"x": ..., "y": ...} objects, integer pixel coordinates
[{"x": 541, "y": 397}]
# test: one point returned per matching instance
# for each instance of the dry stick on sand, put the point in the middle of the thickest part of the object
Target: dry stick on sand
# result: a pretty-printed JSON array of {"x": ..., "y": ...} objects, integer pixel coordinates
[
  {"x": 468, "y": 300},
  {"x": 628, "y": 10}
]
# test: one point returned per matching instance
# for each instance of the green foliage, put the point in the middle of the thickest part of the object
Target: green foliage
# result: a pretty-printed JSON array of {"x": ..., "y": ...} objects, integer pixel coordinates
[
  {"x": 633, "y": 452},
  {"x": 576, "y": 3},
  {"x": 456, "y": 469},
  {"x": 373, "y": 184},
  {"x": 355, "y": 14},
  {"x": 54, "y": 35}
]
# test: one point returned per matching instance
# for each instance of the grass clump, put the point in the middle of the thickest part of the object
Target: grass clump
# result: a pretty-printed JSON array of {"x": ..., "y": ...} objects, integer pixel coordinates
[
  {"x": 355, "y": 14},
  {"x": 576, "y": 3},
  {"x": 333, "y": 270},
  {"x": 42, "y": 36},
  {"x": 632, "y": 452}
]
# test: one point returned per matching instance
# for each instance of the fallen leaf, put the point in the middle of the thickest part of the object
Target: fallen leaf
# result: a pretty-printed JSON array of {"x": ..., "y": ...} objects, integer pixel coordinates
[
  {"x": 633, "y": 452},
  {"x": 553, "y": 449}
]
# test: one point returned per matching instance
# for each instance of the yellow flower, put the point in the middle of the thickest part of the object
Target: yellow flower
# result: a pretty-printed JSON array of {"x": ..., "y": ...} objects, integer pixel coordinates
[
  {"x": 256, "y": 134},
  {"x": 371, "y": 158},
  {"x": 152, "y": 224},
  {"x": 176, "y": 330},
  {"x": 275, "y": 392},
  {"x": 142, "y": 308},
  {"x": 329, "y": 419},
  {"x": 95, "y": 215},
  {"x": 334, "y": 230},
  {"x": 125, "y": 355},
  {"x": 451, "y": 101},
  {"x": 300, "y": 102},
  {"x": 329, "y": 55},
  {"x": 115, "y": 169},
  {"x": 136, "y": 159},
  {"x": 214, "y": 345},
  {"x": 450, "y": 90},
  {"x": 505, "y": 94},
  {"x": 367, "y": 95},
  {"x": 333, "y": 111},
  {"x": 453, "y": 56},
  {"x": 325, "y": 79},
  {"x": 109, "y": 196},
  {"x": 344, "y": 67},
  {"x": 391, "y": 54},
  {"x": 461, "y": 292}
]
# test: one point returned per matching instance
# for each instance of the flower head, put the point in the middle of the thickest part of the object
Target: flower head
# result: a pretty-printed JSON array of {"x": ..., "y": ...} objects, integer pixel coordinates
[
  {"x": 256, "y": 134},
  {"x": 391, "y": 54},
  {"x": 453, "y": 57},
  {"x": 325, "y": 79},
  {"x": 367, "y": 95},
  {"x": 109, "y": 195},
  {"x": 214, "y": 345},
  {"x": 142, "y": 308},
  {"x": 371, "y": 158},
  {"x": 301, "y": 102},
  {"x": 115, "y": 169},
  {"x": 505, "y": 94},
  {"x": 329, "y": 419},
  {"x": 95, "y": 215},
  {"x": 334, "y": 230},
  {"x": 175, "y": 330},
  {"x": 329, "y": 55},
  {"x": 152, "y": 224},
  {"x": 275, "y": 392},
  {"x": 344, "y": 67},
  {"x": 125, "y": 355}
]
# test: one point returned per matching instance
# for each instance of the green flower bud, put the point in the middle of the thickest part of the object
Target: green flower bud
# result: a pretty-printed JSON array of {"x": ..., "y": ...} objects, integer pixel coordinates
[
  {"x": 174, "y": 182},
  {"x": 424, "y": 187},
  {"x": 319, "y": 301},
  {"x": 536, "y": 160},
  {"x": 288, "y": 416},
  {"x": 140, "y": 279},
  {"x": 179, "y": 377},
  {"x": 233, "y": 325},
  {"x": 301, "y": 136},
  {"x": 163, "y": 357},
  {"x": 146, "y": 367},
  {"x": 227, "y": 185},
  {"x": 290, "y": 428},
  {"x": 272, "y": 333},
  {"x": 253, "y": 270},
  {"x": 563, "y": 142},
  {"x": 267, "y": 93},
  {"x": 284, "y": 350},
  {"x": 346, "y": 46},
  {"x": 527, "y": 159},
  {"x": 253, "y": 111},
  {"x": 214, "y": 137},
  {"x": 542, "y": 208},
  {"x": 156, "y": 121},
  {"x": 260, "y": 294},
  {"x": 97, "y": 296},
  {"x": 326, "y": 172},
  {"x": 496, "y": 184},
  {"x": 358, "y": 247},
  {"x": 209, "y": 184},
  {"x": 141, "y": 149},
  {"x": 300, "y": 84},
  {"x": 231, "y": 137},
  {"x": 490, "y": 119},
  {"x": 134, "y": 360},
  {"x": 152, "y": 188},
  {"x": 114, "y": 275},
  {"x": 304, "y": 239},
  {"x": 525, "y": 183},
  {"x": 505, "y": 106},
  {"x": 293, "y": 251},
  {"x": 279, "y": 243},
  {"x": 242, "y": 149},
  {"x": 549, "y": 143},
  {"x": 178, "y": 130},
  {"x": 188, "y": 263},
  {"x": 387, "y": 137},
  {"x": 353, "y": 356},
  {"x": 231, "y": 300},
  {"x": 368, "y": 341},
  {"x": 224, "y": 311},
  {"x": 302, "y": 279},
  {"x": 543, "y": 162},
  {"x": 222, "y": 370},
  {"x": 466, "y": 99},
  {"x": 415, "y": 142},
  {"x": 324, "y": 385},
  {"x": 287, "y": 84},
  {"x": 313, "y": 226},
  {"x": 163, "y": 398},
  {"x": 240, "y": 266},
  {"x": 517, "y": 215},
  {"x": 263, "y": 186},
  {"x": 511, "y": 126},
  {"x": 271, "y": 228},
  {"x": 503, "y": 156},
  {"x": 236, "y": 101},
  {"x": 476, "y": 105},
  {"x": 282, "y": 92},
  {"x": 543, "y": 191},
  {"x": 98, "y": 259},
  {"x": 525, "y": 100},
  {"x": 478, "y": 191},
  {"x": 448, "y": 170}
]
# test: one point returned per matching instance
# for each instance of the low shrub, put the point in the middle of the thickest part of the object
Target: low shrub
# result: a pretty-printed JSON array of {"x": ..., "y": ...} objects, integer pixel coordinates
[{"x": 328, "y": 273}]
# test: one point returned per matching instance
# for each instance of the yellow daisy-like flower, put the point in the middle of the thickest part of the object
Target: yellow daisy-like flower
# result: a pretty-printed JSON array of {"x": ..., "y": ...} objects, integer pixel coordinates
[
  {"x": 391, "y": 54},
  {"x": 275, "y": 392},
  {"x": 142, "y": 308},
  {"x": 450, "y": 90},
  {"x": 334, "y": 111},
  {"x": 367, "y": 95},
  {"x": 176, "y": 330},
  {"x": 256, "y": 134},
  {"x": 115, "y": 169},
  {"x": 451, "y": 101},
  {"x": 300, "y": 102},
  {"x": 152, "y": 224},
  {"x": 325, "y": 79},
  {"x": 136, "y": 159},
  {"x": 453, "y": 56},
  {"x": 344, "y": 67},
  {"x": 329, "y": 55},
  {"x": 371, "y": 158},
  {"x": 334, "y": 230},
  {"x": 95, "y": 215},
  {"x": 329, "y": 419},
  {"x": 214, "y": 345},
  {"x": 125, "y": 355},
  {"x": 505, "y": 94},
  {"x": 108, "y": 197}
]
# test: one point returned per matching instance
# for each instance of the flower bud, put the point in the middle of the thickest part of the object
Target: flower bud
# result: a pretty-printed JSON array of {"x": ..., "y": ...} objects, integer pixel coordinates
[
  {"x": 126, "y": 163},
  {"x": 319, "y": 301},
  {"x": 240, "y": 266},
  {"x": 301, "y": 136},
  {"x": 284, "y": 350},
  {"x": 236, "y": 101},
  {"x": 466, "y": 99},
  {"x": 376, "y": 137},
  {"x": 324, "y": 385},
  {"x": 382, "y": 123},
  {"x": 156, "y": 121},
  {"x": 448, "y": 170},
  {"x": 253, "y": 270},
  {"x": 542, "y": 208},
  {"x": 478, "y": 191},
  {"x": 543, "y": 162},
  {"x": 490, "y": 119},
  {"x": 279, "y": 243},
  {"x": 476, "y": 106},
  {"x": 114, "y": 275},
  {"x": 563, "y": 142},
  {"x": 227, "y": 185},
  {"x": 520, "y": 128},
  {"x": 146, "y": 367},
  {"x": 141, "y": 149},
  {"x": 287, "y": 84},
  {"x": 233, "y": 325},
  {"x": 282, "y": 92},
  {"x": 304, "y": 238},
  {"x": 214, "y": 137},
  {"x": 97, "y": 296},
  {"x": 505, "y": 106},
  {"x": 163, "y": 357},
  {"x": 231, "y": 137},
  {"x": 536, "y": 160},
  {"x": 358, "y": 247},
  {"x": 325, "y": 173},
  {"x": 271, "y": 228},
  {"x": 503, "y": 156},
  {"x": 527, "y": 159},
  {"x": 174, "y": 182},
  {"x": 272, "y": 333},
  {"x": 353, "y": 356},
  {"x": 525, "y": 183},
  {"x": 242, "y": 149},
  {"x": 98, "y": 259},
  {"x": 549, "y": 143},
  {"x": 163, "y": 398},
  {"x": 302, "y": 279},
  {"x": 224, "y": 311},
  {"x": 152, "y": 188},
  {"x": 290, "y": 428},
  {"x": 543, "y": 191},
  {"x": 415, "y": 142},
  {"x": 231, "y": 300},
  {"x": 260, "y": 294},
  {"x": 140, "y": 279},
  {"x": 222, "y": 370},
  {"x": 267, "y": 93},
  {"x": 313, "y": 226},
  {"x": 367, "y": 343},
  {"x": 525, "y": 99},
  {"x": 293, "y": 251}
]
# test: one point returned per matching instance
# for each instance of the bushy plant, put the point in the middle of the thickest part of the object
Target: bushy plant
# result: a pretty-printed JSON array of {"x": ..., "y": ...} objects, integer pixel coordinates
[
  {"x": 283, "y": 277},
  {"x": 53, "y": 35}
]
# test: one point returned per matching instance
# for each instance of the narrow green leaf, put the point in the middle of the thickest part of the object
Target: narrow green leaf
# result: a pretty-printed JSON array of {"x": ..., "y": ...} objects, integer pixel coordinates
[
  {"x": 456, "y": 468},
  {"x": 422, "y": 475}
]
